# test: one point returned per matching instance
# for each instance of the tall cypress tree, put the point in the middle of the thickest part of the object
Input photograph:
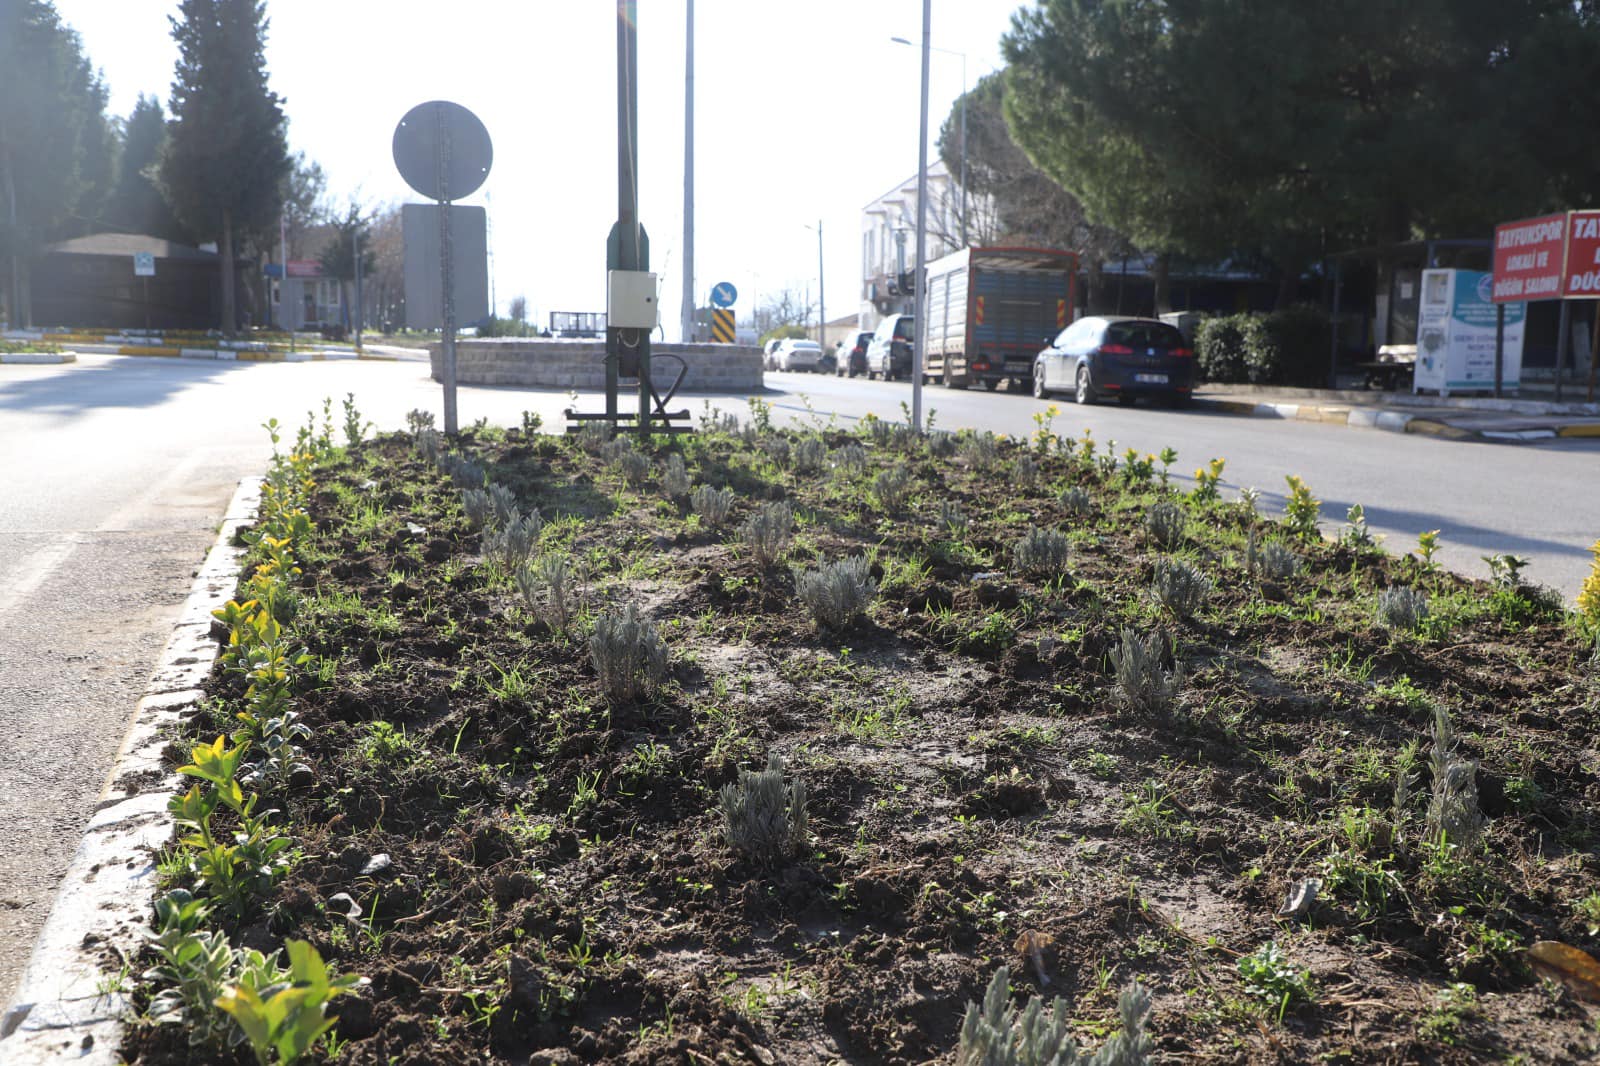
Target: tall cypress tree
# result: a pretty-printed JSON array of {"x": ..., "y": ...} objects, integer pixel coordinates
[{"x": 226, "y": 155}]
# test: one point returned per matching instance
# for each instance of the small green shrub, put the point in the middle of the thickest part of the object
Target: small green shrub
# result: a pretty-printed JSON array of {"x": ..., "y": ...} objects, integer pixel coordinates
[
  {"x": 809, "y": 455},
  {"x": 1402, "y": 608},
  {"x": 1276, "y": 561},
  {"x": 763, "y": 817},
  {"x": 892, "y": 487},
  {"x": 767, "y": 533},
  {"x": 1454, "y": 818},
  {"x": 952, "y": 518},
  {"x": 547, "y": 588},
  {"x": 712, "y": 505},
  {"x": 1076, "y": 502},
  {"x": 1042, "y": 552},
  {"x": 675, "y": 482},
  {"x": 1219, "y": 349},
  {"x": 1293, "y": 348},
  {"x": 851, "y": 460},
  {"x": 998, "y": 1034},
  {"x": 1181, "y": 588},
  {"x": 1166, "y": 521},
  {"x": 836, "y": 593},
  {"x": 512, "y": 543},
  {"x": 628, "y": 654},
  {"x": 1143, "y": 682}
]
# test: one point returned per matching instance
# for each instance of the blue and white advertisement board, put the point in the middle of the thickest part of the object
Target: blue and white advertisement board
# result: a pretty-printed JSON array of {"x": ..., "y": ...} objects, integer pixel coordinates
[{"x": 1455, "y": 334}]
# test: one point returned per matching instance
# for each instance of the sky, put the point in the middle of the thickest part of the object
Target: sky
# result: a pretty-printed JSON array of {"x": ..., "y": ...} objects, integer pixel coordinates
[{"x": 804, "y": 112}]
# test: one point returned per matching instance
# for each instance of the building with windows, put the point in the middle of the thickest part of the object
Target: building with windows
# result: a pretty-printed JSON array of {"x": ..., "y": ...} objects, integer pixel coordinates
[{"x": 889, "y": 238}]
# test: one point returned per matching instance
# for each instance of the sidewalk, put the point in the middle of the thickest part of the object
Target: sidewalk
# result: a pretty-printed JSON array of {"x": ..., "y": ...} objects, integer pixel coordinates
[{"x": 1533, "y": 414}]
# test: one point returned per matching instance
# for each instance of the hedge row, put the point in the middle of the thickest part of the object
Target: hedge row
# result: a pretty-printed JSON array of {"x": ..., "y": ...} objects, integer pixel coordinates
[{"x": 1287, "y": 347}]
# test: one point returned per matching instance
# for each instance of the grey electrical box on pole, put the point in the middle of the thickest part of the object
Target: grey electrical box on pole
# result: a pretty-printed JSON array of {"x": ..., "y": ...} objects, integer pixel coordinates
[{"x": 444, "y": 152}]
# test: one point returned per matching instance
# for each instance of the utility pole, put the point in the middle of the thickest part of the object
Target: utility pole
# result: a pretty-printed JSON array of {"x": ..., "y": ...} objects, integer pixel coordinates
[
  {"x": 687, "y": 316},
  {"x": 822, "y": 312},
  {"x": 919, "y": 337},
  {"x": 355, "y": 245}
]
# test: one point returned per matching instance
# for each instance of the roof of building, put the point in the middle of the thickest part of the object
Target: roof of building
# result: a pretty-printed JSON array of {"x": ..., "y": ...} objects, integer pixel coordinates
[
  {"x": 936, "y": 171},
  {"x": 129, "y": 244}
]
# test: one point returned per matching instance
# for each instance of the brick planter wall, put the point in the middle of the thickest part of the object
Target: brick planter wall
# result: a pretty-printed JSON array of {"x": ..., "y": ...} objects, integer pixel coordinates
[{"x": 580, "y": 364}]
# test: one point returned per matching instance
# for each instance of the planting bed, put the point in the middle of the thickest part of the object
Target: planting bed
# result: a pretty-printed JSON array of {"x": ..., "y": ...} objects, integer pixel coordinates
[{"x": 541, "y": 873}]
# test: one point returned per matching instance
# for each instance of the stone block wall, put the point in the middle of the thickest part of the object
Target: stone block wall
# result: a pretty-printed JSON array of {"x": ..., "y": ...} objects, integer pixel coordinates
[{"x": 580, "y": 364}]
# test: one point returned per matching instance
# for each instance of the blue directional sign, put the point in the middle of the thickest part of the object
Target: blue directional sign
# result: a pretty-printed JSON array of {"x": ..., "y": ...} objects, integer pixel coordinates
[{"x": 723, "y": 294}]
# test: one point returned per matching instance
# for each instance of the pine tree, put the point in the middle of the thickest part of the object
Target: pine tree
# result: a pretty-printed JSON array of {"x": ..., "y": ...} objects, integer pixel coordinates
[
  {"x": 54, "y": 140},
  {"x": 136, "y": 204},
  {"x": 226, "y": 157}
]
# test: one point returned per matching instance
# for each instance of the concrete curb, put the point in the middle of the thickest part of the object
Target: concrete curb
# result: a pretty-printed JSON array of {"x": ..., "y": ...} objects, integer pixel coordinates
[
  {"x": 1421, "y": 423},
  {"x": 65, "y": 1006},
  {"x": 38, "y": 358}
]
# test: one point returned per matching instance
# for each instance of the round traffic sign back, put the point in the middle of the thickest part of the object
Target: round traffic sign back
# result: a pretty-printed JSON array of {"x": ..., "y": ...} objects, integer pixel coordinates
[{"x": 437, "y": 131}]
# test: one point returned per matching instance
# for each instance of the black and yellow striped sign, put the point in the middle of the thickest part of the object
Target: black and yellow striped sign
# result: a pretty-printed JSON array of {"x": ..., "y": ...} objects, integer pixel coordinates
[{"x": 722, "y": 325}]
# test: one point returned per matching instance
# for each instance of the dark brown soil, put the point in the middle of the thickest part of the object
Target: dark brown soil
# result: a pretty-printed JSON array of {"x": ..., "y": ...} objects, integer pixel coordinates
[{"x": 557, "y": 888}]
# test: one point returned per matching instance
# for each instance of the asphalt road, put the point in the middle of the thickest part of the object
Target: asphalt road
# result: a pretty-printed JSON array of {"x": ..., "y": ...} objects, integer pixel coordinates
[{"x": 116, "y": 472}]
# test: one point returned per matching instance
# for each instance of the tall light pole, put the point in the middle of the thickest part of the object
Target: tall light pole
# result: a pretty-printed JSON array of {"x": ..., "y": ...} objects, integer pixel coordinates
[
  {"x": 920, "y": 335},
  {"x": 963, "y": 57},
  {"x": 822, "y": 313},
  {"x": 688, "y": 182}
]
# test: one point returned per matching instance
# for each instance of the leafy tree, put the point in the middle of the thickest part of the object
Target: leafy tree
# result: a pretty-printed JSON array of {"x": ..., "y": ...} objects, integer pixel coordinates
[
  {"x": 1031, "y": 207},
  {"x": 338, "y": 257},
  {"x": 1210, "y": 126},
  {"x": 56, "y": 154},
  {"x": 226, "y": 157},
  {"x": 136, "y": 204},
  {"x": 304, "y": 200}
]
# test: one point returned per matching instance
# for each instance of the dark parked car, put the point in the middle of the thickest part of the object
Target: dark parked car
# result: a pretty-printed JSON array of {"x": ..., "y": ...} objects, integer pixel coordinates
[
  {"x": 1127, "y": 358},
  {"x": 852, "y": 354},
  {"x": 889, "y": 354}
]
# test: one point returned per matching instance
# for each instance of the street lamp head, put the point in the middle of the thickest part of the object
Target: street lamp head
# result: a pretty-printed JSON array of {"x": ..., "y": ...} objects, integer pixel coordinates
[{"x": 899, "y": 40}]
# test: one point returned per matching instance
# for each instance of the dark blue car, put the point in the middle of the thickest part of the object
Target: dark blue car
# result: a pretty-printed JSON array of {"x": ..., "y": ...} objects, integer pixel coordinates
[{"x": 1100, "y": 355}]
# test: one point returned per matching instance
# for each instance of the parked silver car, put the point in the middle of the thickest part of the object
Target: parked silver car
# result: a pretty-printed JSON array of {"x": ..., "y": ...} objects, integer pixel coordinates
[{"x": 795, "y": 354}]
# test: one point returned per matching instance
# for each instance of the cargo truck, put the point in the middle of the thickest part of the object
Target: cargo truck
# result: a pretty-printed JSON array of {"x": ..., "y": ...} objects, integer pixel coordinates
[{"x": 990, "y": 311}]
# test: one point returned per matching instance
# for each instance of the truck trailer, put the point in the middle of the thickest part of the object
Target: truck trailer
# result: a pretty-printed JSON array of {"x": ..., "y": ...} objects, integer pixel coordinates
[{"x": 990, "y": 311}]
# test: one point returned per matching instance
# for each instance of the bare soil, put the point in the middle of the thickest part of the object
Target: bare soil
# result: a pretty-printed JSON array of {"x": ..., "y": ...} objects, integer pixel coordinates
[{"x": 543, "y": 875}]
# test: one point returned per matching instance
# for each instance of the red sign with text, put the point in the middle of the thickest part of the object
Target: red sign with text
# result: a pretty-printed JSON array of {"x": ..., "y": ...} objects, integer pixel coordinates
[
  {"x": 1582, "y": 273},
  {"x": 305, "y": 268},
  {"x": 1529, "y": 258}
]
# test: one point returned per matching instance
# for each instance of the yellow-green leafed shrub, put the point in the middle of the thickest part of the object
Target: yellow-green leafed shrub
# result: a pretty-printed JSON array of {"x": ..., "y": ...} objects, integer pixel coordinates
[{"x": 1589, "y": 594}]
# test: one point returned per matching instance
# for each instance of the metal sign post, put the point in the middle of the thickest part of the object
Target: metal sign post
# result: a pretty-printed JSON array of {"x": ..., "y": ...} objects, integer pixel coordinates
[
  {"x": 144, "y": 268},
  {"x": 443, "y": 151}
]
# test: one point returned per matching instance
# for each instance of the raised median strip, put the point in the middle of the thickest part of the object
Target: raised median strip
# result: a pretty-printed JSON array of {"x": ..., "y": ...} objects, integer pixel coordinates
[
  {"x": 1449, "y": 423},
  {"x": 63, "y": 1008}
]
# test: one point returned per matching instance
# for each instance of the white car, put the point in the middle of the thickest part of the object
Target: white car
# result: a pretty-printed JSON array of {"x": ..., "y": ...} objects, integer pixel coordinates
[{"x": 797, "y": 355}]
